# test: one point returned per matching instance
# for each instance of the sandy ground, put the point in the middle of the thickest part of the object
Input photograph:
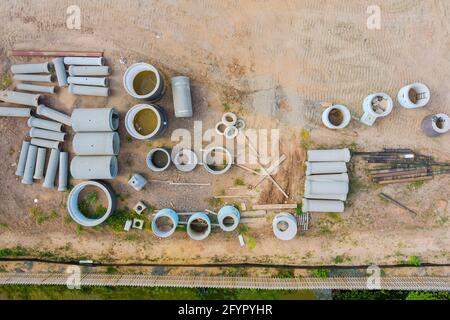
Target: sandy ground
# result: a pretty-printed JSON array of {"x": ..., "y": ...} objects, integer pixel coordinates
[{"x": 273, "y": 63}]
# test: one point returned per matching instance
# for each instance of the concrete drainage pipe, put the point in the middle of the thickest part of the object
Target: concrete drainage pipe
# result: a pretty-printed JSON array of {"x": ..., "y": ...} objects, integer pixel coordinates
[
  {"x": 284, "y": 226},
  {"x": 31, "y": 68},
  {"x": 229, "y": 119},
  {"x": 199, "y": 226},
  {"x": 436, "y": 124},
  {"x": 158, "y": 159},
  {"x": 26, "y": 99},
  {"x": 144, "y": 81},
  {"x": 95, "y": 119},
  {"x": 416, "y": 95},
  {"x": 336, "y": 117},
  {"x": 48, "y": 78},
  {"x": 96, "y": 143},
  {"x": 53, "y": 114},
  {"x": 325, "y": 167},
  {"x": 375, "y": 106},
  {"x": 217, "y": 160},
  {"x": 94, "y": 167},
  {"x": 44, "y": 124},
  {"x": 310, "y": 205},
  {"x": 146, "y": 121},
  {"x": 164, "y": 223},
  {"x": 14, "y": 112},
  {"x": 182, "y": 101},
  {"x": 89, "y": 71},
  {"x": 337, "y": 155},
  {"x": 228, "y": 217},
  {"x": 77, "y": 215},
  {"x": 185, "y": 160}
]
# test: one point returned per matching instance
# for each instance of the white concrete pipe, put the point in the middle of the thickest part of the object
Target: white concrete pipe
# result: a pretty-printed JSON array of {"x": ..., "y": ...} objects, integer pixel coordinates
[
  {"x": 14, "y": 112},
  {"x": 325, "y": 167},
  {"x": 144, "y": 81},
  {"x": 47, "y": 134},
  {"x": 88, "y": 81},
  {"x": 35, "y": 88},
  {"x": 158, "y": 159},
  {"x": 284, "y": 226},
  {"x": 220, "y": 128},
  {"x": 165, "y": 223},
  {"x": 436, "y": 124},
  {"x": 142, "y": 114},
  {"x": 228, "y": 217},
  {"x": 416, "y": 95},
  {"x": 60, "y": 70},
  {"x": 229, "y": 119},
  {"x": 336, "y": 155},
  {"x": 26, "y": 99},
  {"x": 184, "y": 160},
  {"x": 182, "y": 100},
  {"x": 44, "y": 143},
  {"x": 375, "y": 106},
  {"x": 95, "y": 120},
  {"x": 30, "y": 164},
  {"x": 326, "y": 187},
  {"x": 343, "y": 177},
  {"x": 96, "y": 143},
  {"x": 34, "y": 77},
  {"x": 231, "y": 132},
  {"x": 40, "y": 164},
  {"x": 310, "y": 205},
  {"x": 342, "y": 197},
  {"x": 213, "y": 160},
  {"x": 88, "y": 91},
  {"x": 199, "y": 226},
  {"x": 31, "y": 68},
  {"x": 84, "y": 61},
  {"x": 336, "y": 117},
  {"x": 44, "y": 124},
  {"x": 22, "y": 158},
  {"x": 94, "y": 167},
  {"x": 53, "y": 114},
  {"x": 63, "y": 171},
  {"x": 89, "y": 71},
  {"x": 52, "y": 167}
]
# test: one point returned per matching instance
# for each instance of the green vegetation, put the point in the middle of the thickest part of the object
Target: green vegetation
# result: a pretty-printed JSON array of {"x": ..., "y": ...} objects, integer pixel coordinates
[
  {"x": 226, "y": 107},
  {"x": 239, "y": 182},
  {"x": 321, "y": 273},
  {"x": 286, "y": 273},
  {"x": 305, "y": 141},
  {"x": 18, "y": 251},
  {"x": 89, "y": 208},
  {"x": 414, "y": 261},
  {"x": 5, "y": 81},
  {"x": 215, "y": 203},
  {"x": 389, "y": 295},
  {"x": 40, "y": 216},
  {"x": 416, "y": 185},
  {"x": 117, "y": 220},
  {"x": 299, "y": 210},
  {"x": 251, "y": 243}
]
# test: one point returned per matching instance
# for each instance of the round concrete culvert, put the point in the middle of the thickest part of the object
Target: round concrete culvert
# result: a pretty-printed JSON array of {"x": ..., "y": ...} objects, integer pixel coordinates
[
  {"x": 284, "y": 226},
  {"x": 184, "y": 160},
  {"x": 144, "y": 81},
  {"x": 228, "y": 217},
  {"x": 199, "y": 226},
  {"x": 231, "y": 132},
  {"x": 146, "y": 121},
  {"x": 229, "y": 119},
  {"x": 217, "y": 160},
  {"x": 164, "y": 223},
  {"x": 220, "y": 128},
  {"x": 158, "y": 159},
  {"x": 336, "y": 117}
]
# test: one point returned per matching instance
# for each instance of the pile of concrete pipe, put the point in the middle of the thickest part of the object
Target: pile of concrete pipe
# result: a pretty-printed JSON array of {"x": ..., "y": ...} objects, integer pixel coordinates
[
  {"x": 33, "y": 72},
  {"x": 230, "y": 126},
  {"x": 327, "y": 183},
  {"x": 96, "y": 143}
]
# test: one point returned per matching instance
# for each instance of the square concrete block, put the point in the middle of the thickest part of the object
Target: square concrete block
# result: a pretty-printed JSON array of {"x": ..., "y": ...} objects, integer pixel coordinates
[
  {"x": 138, "y": 224},
  {"x": 139, "y": 207}
]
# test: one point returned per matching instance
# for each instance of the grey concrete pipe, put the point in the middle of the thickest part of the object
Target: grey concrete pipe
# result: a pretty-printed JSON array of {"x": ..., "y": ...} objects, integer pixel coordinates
[
  {"x": 336, "y": 155},
  {"x": 326, "y": 187},
  {"x": 342, "y": 197},
  {"x": 22, "y": 158},
  {"x": 60, "y": 70},
  {"x": 198, "y": 226},
  {"x": 63, "y": 171},
  {"x": 284, "y": 226},
  {"x": 94, "y": 167},
  {"x": 89, "y": 81},
  {"x": 26, "y": 99},
  {"x": 31, "y": 68},
  {"x": 89, "y": 71},
  {"x": 228, "y": 217},
  {"x": 182, "y": 101},
  {"x": 35, "y": 88},
  {"x": 96, "y": 143},
  {"x": 34, "y": 77},
  {"x": 84, "y": 61},
  {"x": 30, "y": 164},
  {"x": 52, "y": 167},
  {"x": 44, "y": 124},
  {"x": 165, "y": 223},
  {"x": 343, "y": 177},
  {"x": 310, "y": 205},
  {"x": 53, "y": 114},
  {"x": 88, "y": 91},
  {"x": 95, "y": 120},
  {"x": 436, "y": 124},
  {"x": 40, "y": 164},
  {"x": 47, "y": 134},
  {"x": 44, "y": 143},
  {"x": 14, "y": 112},
  {"x": 325, "y": 167}
]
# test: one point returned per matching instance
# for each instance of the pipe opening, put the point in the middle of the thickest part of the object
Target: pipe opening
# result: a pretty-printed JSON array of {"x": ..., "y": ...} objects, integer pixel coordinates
[
  {"x": 379, "y": 104},
  {"x": 198, "y": 226},
  {"x": 164, "y": 224},
  {"x": 145, "y": 82},
  {"x": 220, "y": 128},
  {"x": 228, "y": 221},
  {"x": 146, "y": 122},
  {"x": 91, "y": 203},
  {"x": 336, "y": 117},
  {"x": 159, "y": 159},
  {"x": 440, "y": 122},
  {"x": 282, "y": 226}
]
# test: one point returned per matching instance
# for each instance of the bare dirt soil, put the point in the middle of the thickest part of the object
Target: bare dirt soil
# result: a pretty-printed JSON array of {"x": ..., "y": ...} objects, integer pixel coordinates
[{"x": 274, "y": 63}]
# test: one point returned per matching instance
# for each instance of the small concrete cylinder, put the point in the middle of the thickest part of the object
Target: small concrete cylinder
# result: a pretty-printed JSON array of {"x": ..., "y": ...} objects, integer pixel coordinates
[
  {"x": 40, "y": 164},
  {"x": 95, "y": 119},
  {"x": 53, "y": 114},
  {"x": 228, "y": 217},
  {"x": 325, "y": 167},
  {"x": 44, "y": 143},
  {"x": 416, "y": 95},
  {"x": 151, "y": 111},
  {"x": 158, "y": 159},
  {"x": 199, "y": 226},
  {"x": 337, "y": 155},
  {"x": 184, "y": 160},
  {"x": 94, "y": 167},
  {"x": 60, "y": 70},
  {"x": 436, "y": 124},
  {"x": 89, "y": 81},
  {"x": 96, "y": 143},
  {"x": 27, "y": 99},
  {"x": 88, "y": 90},
  {"x": 182, "y": 100},
  {"x": 52, "y": 167},
  {"x": 44, "y": 124},
  {"x": 30, "y": 165},
  {"x": 63, "y": 171},
  {"x": 35, "y": 88},
  {"x": 22, "y": 158},
  {"x": 34, "y": 77},
  {"x": 89, "y": 71},
  {"x": 211, "y": 164},
  {"x": 284, "y": 226},
  {"x": 165, "y": 223},
  {"x": 310, "y": 205},
  {"x": 84, "y": 61},
  {"x": 31, "y": 68},
  {"x": 134, "y": 83},
  {"x": 375, "y": 106},
  {"x": 14, "y": 112},
  {"x": 336, "y": 117},
  {"x": 47, "y": 134},
  {"x": 326, "y": 187}
]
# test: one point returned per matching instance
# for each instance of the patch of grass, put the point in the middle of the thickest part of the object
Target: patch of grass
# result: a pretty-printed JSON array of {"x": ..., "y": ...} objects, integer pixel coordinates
[
  {"x": 251, "y": 243},
  {"x": 415, "y": 185},
  {"x": 226, "y": 107},
  {"x": 117, "y": 220},
  {"x": 305, "y": 141},
  {"x": 285, "y": 273},
  {"x": 299, "y": 210},
  {"x": 334, "y": 216},
  {"x": 321, "y": 273},
  {"x": 129, "y": 139},
  {"x": 239, "y": 182},
  {"x": 123, "y": 197},
  {"x": 111, "y": 270},
  {"x": 215, "y": 203},
  {"x": 5, "y": 81},
  {"x": 243, "y": 228},
  {"x": 15, "y": 252},
  {"x": 39, "y": 215},
  {"x": 414, "y": 261},
  {"x": 131, "y": 237}
]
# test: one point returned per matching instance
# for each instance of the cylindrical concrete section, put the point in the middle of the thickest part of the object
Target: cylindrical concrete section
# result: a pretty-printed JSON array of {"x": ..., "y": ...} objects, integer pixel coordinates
[
  {"x": 284, "y": 226},
  {"x": 88, "y": 81},
  {"x": 44, "y": 143},
  {"x": 96, "y": 143},
  {"x": 44, "y": 124},
  {"x": 412, "y": 96},
  {"x": 217, "y": 160},
  {"x": 30, "y": 164},
  {"x": 53, "y": 114},
  {"x": 60, "y": 70},
  {"x": 89, "y": 71},
  {"x": 88, "y": 91},
  {"x": 342, "y": 197},
  {"x": 31, "y": 68},
  {"x": 35, "y": 88},
  {"x": 26, "y": 99},
  {"x": 310, "y": 205},
  {"x": 336, "y": 117},
  {"x": 40, "y": 164},
  {"x": 158, "y": 159},
  {"x": 326, "y": 187},
  {"x": 182, "y": 100},
  {"x": 84, "y": 61},
  {"x": 95, "y": 119},
  {"x": 436, "y": 124},
  {"x": 63, "y": 171},
  {"x": 22, "y": 158},
  {"x": 146, "y": 121},
  {"x": 198, "y": 226},
  {"x": 52, "y": 168},
  {"x": 144, "y": 81},
  {"x": 14, "y": 112},
  {"x": 336, "y": 155},
  {"x": 343, "y": 177},
  {"x": 165, "y": 223},
  {"x": 47, "y": 134},
  {"x": 325, "y": 167},
  {"x": 228, "y": 217},
  {"x": 34, "y": 77},
  {"x": 94, "y": 167}
]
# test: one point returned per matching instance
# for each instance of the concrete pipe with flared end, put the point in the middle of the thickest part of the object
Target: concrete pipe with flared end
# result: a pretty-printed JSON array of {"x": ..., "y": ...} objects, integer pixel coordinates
[
  {"x": 14, "y": 112},
  {"x": 44, "y": 143},
  {"x": 75, "y": 71},
  {"x": 95, "y": 120},
  {"x": 284, "y": 226},
  {"x": 228, "y": 217},
  {"x": 26, "y": 99},
  {"x": 88, "y": 81},
  {"x": 198, "y": 226},
  {"x": 53, "y": 114},
  {"x": 342, "y": 197},
  {"x": 184, "y": 160},
  {"x": 146, "y": 121},
  {"x": 40, "y": 164},
  {"x": 416, "y": 95},
  {"x": 94, "y": 167},
  {"x": 31, "y": 68},
  {"x": 165, "y": 223},
  {"x": 44, "y": 124},
  {"x": 182, "y": 100},
  {"x": 63, "y": 171},
  {"x": 30, "y": 164},
  {"x": 47, "y": 134},
  {"x": 336, "y": 117},
  {"x": 84, "y": 61},
  {"x": 311, "y": 205},
  {"x": 35, "y": 88},
  {"x": 48, "y": 78},
  {"x": 335, "y": 155},
  {"x": 325, "y": 167},
  {"x": 326, "y": 187},
  {"x": 52, "y": 168},
  {"x": 60, "y": 70},
  {"x": 88, "y": 91},
  {"x": 343, "y": 177},
  {"x": 96, "y": 143},
  {"x": 214, "y": 161},
  {"x": 436, "y": 124},
  {"x": 22, "y": 158},
  {"x": 144, "y": 81},
  {"x": 375, "y": 106}
]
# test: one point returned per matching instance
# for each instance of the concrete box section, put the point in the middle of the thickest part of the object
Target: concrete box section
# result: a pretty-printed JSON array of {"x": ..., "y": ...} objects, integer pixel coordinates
[
  {"x": 94, "y": 167},
  {"x": 95, "y": 119},
  {"x": 96, "y": 143}
]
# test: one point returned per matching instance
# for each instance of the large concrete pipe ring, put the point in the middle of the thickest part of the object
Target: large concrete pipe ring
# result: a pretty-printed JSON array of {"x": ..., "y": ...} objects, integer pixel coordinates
[
  {"x": 146, "y": 121},
  {"x": 95, "y": 119},
  {"x": 199, "y": 226},
  {"x": 210, "y": 164},
  {"x": 184, "y": 160},
  {"x": 144, "y": 81},
  {"x": 375, "y": 106},
  {"x": 310, "y": 205},
  {"x": 35, "y": 88},
  {"x": 88, "y": 91},
  {"x": 165, "y": 223},
  {"x": 89, "y": 71},
  {"x": 34, "y": 122},
  {"x": 30, "y": 164},
  {"x": 94, "y": 167},
  {"x": 47, "y": 134},
  {"x": 96, "y": 143},
  {"x": 53, "y": 114},
  {"x": 416, "y": 95},
  {"x": 325, "y": 167},
  {"x": 52, "y": 167},
  {"x": 436, "y": 124},
  {"x": 337, "y": 155},
  {"x": 284, "y": 226},
  {"x": 26, "y": 99},
  {"x": 48, "y": 78},
  {"x": 158, "y": 159},
  {"x": 60, "y": 70},
  {"x": 31, "y": 68},
  {"x": 77, "y": 215},
  {"x": 336, "y": 117},
  {"x": 15, "y": 112},
  {"x": 84, "y": 61},
  {"x": 88, "y": 81},
  {"x": 182, "y": 100},
  {"x": 228, "y": 217},
  {"x": 22, "y": 158}
]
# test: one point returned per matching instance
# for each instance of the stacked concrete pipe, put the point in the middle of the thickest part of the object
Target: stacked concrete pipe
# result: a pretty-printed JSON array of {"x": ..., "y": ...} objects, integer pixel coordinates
[{"x": 284, "y": 226}]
